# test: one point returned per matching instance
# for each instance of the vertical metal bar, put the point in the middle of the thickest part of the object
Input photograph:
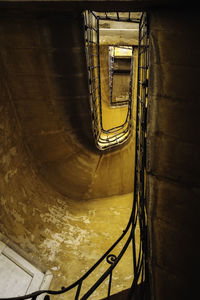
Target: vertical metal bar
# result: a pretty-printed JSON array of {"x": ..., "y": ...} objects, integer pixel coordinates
[
  {"x": 98, "y": 55},
  {"x": 109, "y": 285},
  {"x": 134, "y": 254},
  {"x": 130, "y": 84},
  {"x": 78, "y": 291}
]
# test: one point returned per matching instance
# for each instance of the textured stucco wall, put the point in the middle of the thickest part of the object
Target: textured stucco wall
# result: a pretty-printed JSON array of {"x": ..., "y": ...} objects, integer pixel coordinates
[
  {"x": 62, "y": 202},
  {"x": 35, "y": 214},
  {"x": 63, "y": 235},
  {"x": 44, "y": 71},
  {"x": 173, "y": 154}
]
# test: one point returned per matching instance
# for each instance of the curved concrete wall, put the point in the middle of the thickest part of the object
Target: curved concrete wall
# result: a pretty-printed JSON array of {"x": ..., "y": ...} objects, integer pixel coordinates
[
  {"x": 55, "y": 187},
  {"x": 44, "y": 70},
  {"x": 53, "y": 231},
  {"x": 35, "y": 172}
]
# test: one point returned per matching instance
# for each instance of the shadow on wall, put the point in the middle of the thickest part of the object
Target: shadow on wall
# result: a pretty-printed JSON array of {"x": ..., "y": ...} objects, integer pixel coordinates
[{"x": 70, "y": 69}]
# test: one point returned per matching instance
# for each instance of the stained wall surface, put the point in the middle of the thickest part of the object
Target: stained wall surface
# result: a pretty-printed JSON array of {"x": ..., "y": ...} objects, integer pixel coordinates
[
  {"x": 63, "y": 203},
  {"x": 45, "y": 74},
  {"x": 173, "y": 154},
  {"x": 41, "y": 199}
]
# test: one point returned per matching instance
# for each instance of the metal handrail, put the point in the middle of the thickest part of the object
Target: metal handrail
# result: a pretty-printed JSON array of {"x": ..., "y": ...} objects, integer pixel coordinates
[{"x": 116, "y": 17}]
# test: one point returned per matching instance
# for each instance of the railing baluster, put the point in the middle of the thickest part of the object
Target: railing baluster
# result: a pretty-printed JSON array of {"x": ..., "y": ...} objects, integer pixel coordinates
[
  {"x": 109, "y": 285},
  {"x": 78, "y": 291}
]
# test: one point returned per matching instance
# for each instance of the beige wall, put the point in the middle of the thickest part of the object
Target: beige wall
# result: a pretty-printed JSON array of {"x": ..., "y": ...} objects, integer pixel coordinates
[
  {"x": 46, "y": 78},
  {"x": 62, "y": 202},
  {"x": 35, "y": 180},
  {"x": 56, "y": 232}
]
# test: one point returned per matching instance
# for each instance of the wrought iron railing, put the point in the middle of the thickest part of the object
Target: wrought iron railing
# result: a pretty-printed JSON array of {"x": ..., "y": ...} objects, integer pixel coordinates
[
  {"x": 141, "y": 127},
  {"x": 120, "y": 71},
  {"x": 119, "y": 16},
  {"x": 138, "y": 216},
  {"x": 117, "y": 135},
  {"x": 128, "y": 237}
]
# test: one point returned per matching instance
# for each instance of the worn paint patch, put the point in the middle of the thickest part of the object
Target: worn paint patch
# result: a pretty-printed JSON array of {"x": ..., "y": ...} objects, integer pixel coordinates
[
  {"x": 6, "y": 158},
  {"x": 9, "y": 175},
  {"x": 64, "y": 235},
  {"x": 51, "y": 246}
]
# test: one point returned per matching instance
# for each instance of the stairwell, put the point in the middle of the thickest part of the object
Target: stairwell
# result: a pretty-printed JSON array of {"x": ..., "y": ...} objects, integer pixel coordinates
[
  {"x": 56, "y": 186},
  {"x": 41, "y": 199}
]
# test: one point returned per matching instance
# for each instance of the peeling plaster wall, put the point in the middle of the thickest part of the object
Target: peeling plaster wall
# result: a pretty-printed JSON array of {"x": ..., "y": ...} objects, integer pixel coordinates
[
  {"x": 61, "y": 201},
  {"x": 44, "y": 72},
  {"x": 56, "y": 233}
]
